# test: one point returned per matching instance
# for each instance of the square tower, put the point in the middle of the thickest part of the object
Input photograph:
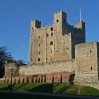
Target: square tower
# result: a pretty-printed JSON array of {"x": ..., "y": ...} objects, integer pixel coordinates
[{"x": 55, "y": 42}]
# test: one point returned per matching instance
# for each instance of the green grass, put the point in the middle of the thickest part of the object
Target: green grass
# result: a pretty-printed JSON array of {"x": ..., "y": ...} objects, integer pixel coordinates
[
  {"x": 4, "y": 86},
  {"x": 86, "y": 90},
  {"x": 51, "y": 88}
]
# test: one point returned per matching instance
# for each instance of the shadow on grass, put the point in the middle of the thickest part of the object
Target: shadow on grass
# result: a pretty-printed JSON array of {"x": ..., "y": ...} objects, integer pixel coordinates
[
  {"x": 18, "y": 86},
  {"x": 7, "y": 87},
  {"x": 43, "y": 88},
  {"x": 62, "y": 89},
  {"x": 55, "y": 84}
]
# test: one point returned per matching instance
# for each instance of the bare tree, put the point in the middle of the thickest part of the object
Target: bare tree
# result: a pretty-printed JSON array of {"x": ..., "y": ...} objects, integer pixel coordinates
[
  {"x": 20, "y": 62},
  {"x": 4, "y": 55}
]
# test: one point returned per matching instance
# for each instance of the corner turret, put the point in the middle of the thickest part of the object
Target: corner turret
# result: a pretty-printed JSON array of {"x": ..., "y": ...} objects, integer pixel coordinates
[{"x": 35, "y": 24}]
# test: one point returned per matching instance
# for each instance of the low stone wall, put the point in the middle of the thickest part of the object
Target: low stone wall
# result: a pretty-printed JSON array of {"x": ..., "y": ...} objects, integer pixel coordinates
[
  {"x": 8, "y": 70},
  {"x": 86, "y": 78},
  {"x": 55, "y": 77},
  {"x": 48, "y": 68}
]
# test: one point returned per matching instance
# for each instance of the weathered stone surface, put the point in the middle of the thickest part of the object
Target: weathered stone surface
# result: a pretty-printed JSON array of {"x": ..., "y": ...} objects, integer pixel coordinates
[
  {"x": 87, "y": 63},
  {"x": 8, "y": 67},
  {"x": 47, "y": 68},
  {"x": 55, "y": 42}
]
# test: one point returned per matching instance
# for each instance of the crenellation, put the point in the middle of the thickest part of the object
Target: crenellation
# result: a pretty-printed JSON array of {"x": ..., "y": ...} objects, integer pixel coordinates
[{"x": 35, "y": 24}]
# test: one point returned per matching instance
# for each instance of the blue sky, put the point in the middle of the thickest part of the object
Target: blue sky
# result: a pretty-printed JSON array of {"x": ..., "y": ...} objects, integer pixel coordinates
[{"x": 15, "y": 17}]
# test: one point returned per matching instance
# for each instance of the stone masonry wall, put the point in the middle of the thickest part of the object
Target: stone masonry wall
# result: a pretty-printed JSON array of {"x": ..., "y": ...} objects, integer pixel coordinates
[
  {"x": 54, "y": 77},
  {"x": 87, "y": 63},
  {"x": 55, "y": 42},
  {"x": 38, "y": 46},
  {"x": 59, "y": 48},
  {"x": 98, "y": 57},
  {"x": 8, "y": 68},
  {"x": 48, "y": 68},
  {"x": 86, "y": 57}
]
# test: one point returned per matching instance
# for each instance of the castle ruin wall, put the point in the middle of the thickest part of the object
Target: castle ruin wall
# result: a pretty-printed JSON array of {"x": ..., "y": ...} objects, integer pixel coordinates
[
  {"x": 48, "y": 68},
  {"x": 87, "y": 63}
]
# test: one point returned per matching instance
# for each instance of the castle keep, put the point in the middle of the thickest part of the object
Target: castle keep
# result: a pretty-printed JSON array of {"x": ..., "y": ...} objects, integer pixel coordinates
[
  {"x": 59, "y": 52},
  {"x": 55, "y": 42}
]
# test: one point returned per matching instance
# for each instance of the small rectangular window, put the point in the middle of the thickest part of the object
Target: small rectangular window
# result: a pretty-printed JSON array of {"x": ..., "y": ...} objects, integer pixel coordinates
[
  {"x": 38, "y": 59},
  {"x": 51, "y": 43},
  {"x": 47, "y": 35},
  {"x": 90, "y": 51},
  {"x": 51, "y": 29},
  {"x": 51, "y": 34},
  {"x": 38, "y": 36}
]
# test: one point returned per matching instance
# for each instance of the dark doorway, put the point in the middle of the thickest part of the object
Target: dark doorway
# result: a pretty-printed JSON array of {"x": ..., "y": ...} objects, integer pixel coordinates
[{"x": 71, "y": 79}]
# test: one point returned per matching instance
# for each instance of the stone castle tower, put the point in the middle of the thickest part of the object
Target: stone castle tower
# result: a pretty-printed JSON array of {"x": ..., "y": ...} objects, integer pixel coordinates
[
  {"x": 55, "y": 42},
  {"x": 59, "y": 51}
]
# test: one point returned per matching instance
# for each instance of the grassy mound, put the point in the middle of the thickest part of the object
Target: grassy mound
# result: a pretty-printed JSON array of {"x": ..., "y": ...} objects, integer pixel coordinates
[
  {"x": 86, "y": 90},
  {"x": 51, "y": 88}
]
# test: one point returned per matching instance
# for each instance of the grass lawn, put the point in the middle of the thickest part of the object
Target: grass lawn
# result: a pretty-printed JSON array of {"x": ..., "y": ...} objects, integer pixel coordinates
[
  {"x": 86, "y": 90},
  {"x": 60, "y": 88}
]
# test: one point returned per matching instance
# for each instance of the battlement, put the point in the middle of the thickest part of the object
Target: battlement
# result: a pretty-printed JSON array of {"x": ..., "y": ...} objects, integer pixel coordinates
[
  {"x": 35, "y": 24},
  {"x": 60, "y": 17}
]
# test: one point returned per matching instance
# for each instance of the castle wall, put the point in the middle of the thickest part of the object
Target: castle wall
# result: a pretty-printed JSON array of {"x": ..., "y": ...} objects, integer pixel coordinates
[
  {"x": 63, "y": 47},
  {"x": 50, "y": 43},
  {"x": 53, "y": 77},
  {"x": 98, "y": 58},
  {"x": 8, "y": 68},
  {"x": 55, "y": 42},
  {"x": 70, "y": 28},
  {"x": 86, "y": 62},
  {"x": 38, "y": 47},
  {"x": 58, "y": 49},
  {"x": 78, "y": 36},
  {"x": 48, "y": 68}
]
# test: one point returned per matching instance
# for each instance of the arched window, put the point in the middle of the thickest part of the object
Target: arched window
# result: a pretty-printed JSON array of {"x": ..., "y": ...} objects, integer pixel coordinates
[
  {"x": 91, "y": 68},
  {"x": 51, "y": 29},
  {"x": 51, "y": 43},
  {"x": 57, "y": 20}
]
